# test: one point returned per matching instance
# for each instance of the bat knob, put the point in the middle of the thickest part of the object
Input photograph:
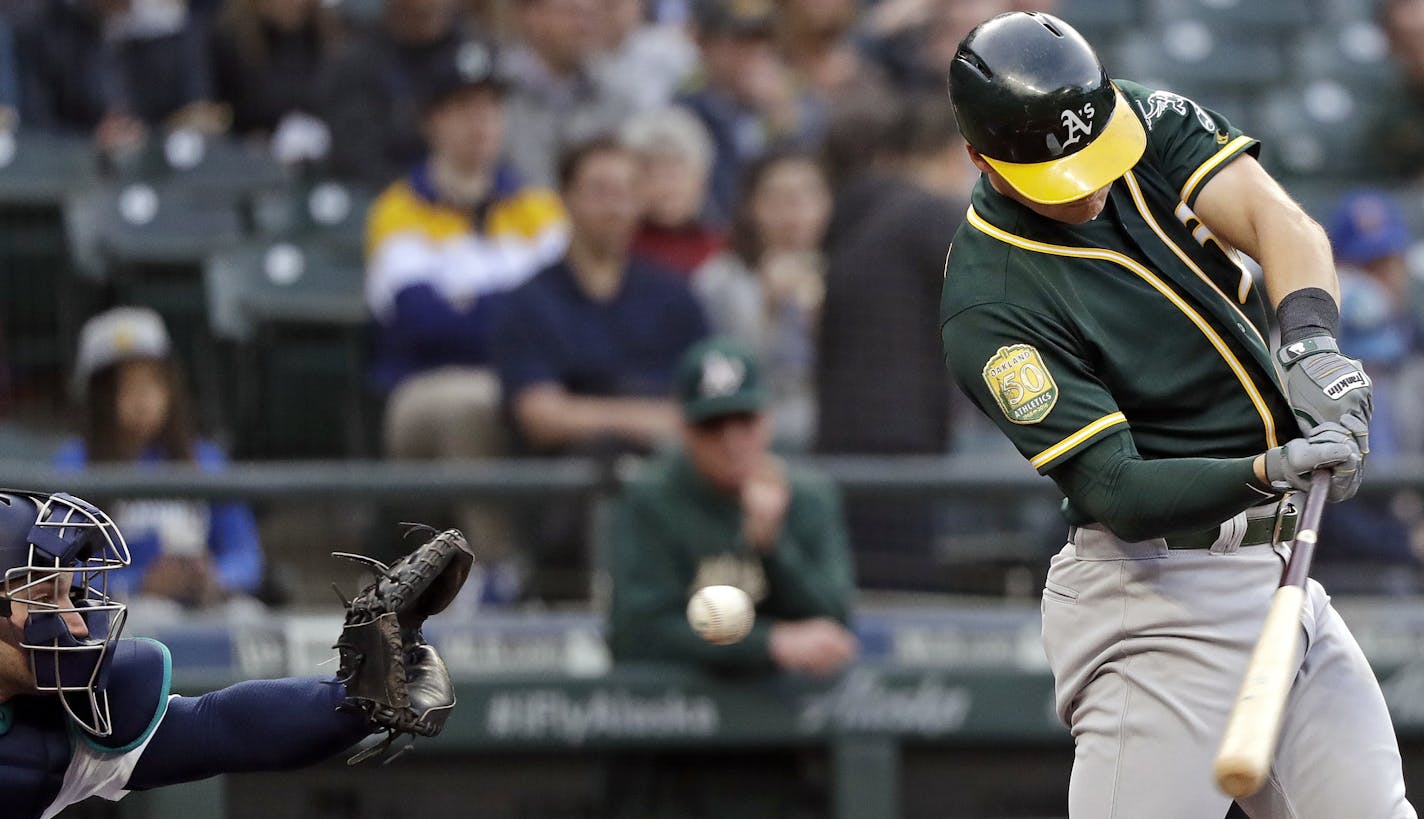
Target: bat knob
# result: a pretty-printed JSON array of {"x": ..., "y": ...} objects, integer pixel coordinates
[{"x": 1235, "y": 780}]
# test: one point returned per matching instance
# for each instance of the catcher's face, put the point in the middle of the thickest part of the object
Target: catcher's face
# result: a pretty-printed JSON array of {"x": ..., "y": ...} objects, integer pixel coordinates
[{"x": 17, "y": 675}]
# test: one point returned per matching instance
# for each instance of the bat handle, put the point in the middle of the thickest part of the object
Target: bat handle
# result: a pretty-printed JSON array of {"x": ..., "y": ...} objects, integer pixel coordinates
[{"x": 1249, "y": 744}]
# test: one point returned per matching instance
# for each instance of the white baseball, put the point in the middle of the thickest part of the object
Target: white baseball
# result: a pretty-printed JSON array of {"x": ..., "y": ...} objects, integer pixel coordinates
[{"x": 721, "y": 614}]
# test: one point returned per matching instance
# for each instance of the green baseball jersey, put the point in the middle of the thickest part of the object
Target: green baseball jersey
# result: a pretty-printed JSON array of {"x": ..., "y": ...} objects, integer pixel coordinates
[
  {"x": 673, "y": 532},
  {"x": 1138, "y": 320}
]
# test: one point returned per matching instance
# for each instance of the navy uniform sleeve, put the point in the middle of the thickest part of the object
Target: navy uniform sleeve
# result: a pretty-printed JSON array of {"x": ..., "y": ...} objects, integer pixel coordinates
[
  {"x": 1029, "y": 374},
  {"x": 1189, "y": 143}
]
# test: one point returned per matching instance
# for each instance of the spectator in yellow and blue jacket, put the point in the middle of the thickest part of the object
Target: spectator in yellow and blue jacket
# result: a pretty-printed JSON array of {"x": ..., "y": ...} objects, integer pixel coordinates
[{"x": 442, "y": 246}]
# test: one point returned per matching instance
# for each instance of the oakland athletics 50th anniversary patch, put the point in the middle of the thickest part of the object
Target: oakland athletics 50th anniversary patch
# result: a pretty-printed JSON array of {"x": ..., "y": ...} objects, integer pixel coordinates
[{"x": 1021, "y": 383}]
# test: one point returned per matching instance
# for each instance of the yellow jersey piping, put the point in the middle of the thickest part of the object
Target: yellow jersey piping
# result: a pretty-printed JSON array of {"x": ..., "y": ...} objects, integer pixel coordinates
[
  {"x": 1141, "y": 203},
  {"x": 1051, "y": 454},
  {"x": 1206, "y": 167},
  {"x": 1157, "y": 284}
]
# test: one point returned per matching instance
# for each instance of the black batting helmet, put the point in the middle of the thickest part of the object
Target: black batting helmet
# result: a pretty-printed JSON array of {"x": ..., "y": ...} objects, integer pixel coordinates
[{"x": 1032, "y": 98}]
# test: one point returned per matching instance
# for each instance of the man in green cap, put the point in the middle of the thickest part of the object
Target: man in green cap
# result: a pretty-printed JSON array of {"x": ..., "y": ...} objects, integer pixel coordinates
[
  {"x": 1096, "y": 308},
  {"x": 723, "y": 510}
]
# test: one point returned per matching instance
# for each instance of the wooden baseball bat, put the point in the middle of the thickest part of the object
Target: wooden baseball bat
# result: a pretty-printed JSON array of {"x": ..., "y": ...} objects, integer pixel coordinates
[{"x": 1249, "y": 744}]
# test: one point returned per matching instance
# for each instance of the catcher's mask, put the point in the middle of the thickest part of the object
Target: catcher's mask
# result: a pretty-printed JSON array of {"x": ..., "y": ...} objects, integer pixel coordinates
[{"x": 45, "y": 538}]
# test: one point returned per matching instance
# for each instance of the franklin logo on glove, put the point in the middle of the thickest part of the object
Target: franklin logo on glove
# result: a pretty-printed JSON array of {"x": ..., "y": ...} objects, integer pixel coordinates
[{"x": 1345, "y": 383}]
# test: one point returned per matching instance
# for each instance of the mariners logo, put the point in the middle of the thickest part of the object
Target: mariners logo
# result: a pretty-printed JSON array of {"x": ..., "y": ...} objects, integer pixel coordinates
[{"x": 1020, "y": 382}]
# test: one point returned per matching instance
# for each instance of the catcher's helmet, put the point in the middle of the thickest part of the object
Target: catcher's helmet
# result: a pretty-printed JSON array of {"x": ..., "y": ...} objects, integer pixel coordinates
[
  {"x": 1033, "y": 99},
  {"x": 43, "y": 537}
]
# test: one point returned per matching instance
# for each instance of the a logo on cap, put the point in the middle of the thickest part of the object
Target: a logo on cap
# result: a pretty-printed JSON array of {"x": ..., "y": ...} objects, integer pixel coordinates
[
  {"x": 1077, "y": 128},
  {"x": 721, "y": 375}
]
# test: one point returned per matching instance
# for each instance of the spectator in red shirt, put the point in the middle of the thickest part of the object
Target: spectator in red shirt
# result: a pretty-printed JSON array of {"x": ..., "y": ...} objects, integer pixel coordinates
[{"x": 675, "y": 157}]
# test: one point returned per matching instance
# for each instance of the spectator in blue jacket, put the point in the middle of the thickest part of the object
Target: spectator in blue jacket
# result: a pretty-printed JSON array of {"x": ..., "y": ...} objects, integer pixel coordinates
[{"x": 136, "y": 411}]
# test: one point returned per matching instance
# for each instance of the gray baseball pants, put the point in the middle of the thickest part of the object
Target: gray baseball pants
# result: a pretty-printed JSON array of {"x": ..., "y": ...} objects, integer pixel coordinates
[{"x": 1148, "y": 647}]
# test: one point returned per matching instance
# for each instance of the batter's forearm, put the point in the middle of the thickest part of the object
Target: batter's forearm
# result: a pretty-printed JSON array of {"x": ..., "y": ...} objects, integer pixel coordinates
[{"x": 1139, "y": 499}]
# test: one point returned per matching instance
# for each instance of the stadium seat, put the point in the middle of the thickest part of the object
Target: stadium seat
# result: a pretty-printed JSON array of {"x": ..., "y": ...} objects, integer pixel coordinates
[
  {"x": 1258, "y": 17},
  {"x": 138, "y": 226},
  {"x": 1099, "y": 20},
  {"x": 1331, "y": 12},
  {"x": 41, "y": 169},
  {"x": 321, "y": 208},
  {"x": 291, "y": 317},
  {"x": 1316, "y": 128},
  {"x": 307, "y": 282},
  {"x": 208, "y": 167},
  {"x": 1354, "y": 52},
  {"x": 1198, "y": 60},
  {"x": 39, "y": 306}
]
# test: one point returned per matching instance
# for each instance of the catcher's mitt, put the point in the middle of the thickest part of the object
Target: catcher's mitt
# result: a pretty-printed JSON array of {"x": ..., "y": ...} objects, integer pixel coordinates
[{"x": 391, "y": 674}]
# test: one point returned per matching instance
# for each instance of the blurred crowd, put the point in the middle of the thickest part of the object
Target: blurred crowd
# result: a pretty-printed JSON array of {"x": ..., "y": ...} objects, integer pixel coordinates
[{"x": 570, "y": 194}]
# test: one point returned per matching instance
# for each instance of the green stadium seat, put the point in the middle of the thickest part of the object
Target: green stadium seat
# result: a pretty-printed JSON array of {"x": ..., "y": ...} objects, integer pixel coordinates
[
  {"x": 39, "y": 304},
  {"x": 39, "y": 170},
  {"x": 1330, "y": 12},
  {"x": 1317, "y": 128},
  {"x": 208, "y": 167},
  {"x": 322, "y": 208},
  {"x": 136, "y": 226},
  {"x": 1243, "y": 16},
  {"x": 314, "y": 281},
  {"x": 292, "y": 318},
  {"x": 1354, "y": 52},
  {"x": 1195, "y": 59},
  {"x": 1099, "y": 20}
]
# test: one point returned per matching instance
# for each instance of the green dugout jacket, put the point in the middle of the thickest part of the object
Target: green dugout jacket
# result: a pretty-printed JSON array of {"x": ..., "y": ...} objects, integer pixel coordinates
[
  {"x": 1140, "y": 320},
  {"x": 672, "y": 532}
]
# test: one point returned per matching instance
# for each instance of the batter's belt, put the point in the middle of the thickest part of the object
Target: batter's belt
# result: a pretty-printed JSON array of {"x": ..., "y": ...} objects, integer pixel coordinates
[{"x": 1264, "y": 525}]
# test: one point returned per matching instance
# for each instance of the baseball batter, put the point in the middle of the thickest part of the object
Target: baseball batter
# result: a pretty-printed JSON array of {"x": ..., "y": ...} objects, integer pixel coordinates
[{"x": 1095, "y": 307}]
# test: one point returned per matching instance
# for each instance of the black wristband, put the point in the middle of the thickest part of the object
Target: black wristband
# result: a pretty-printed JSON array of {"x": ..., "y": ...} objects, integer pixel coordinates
[{"x": 1307, "y": 312}]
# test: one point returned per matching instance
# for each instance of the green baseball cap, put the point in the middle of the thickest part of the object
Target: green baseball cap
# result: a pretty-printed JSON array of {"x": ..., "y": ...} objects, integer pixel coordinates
[{"x": 719, "y": 376}]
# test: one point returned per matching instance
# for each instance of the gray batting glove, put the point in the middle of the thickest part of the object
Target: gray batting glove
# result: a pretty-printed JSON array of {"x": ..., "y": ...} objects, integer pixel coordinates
[
  {"x": 1329, "y": 446},
  {"x": 1324, "y": 385}
]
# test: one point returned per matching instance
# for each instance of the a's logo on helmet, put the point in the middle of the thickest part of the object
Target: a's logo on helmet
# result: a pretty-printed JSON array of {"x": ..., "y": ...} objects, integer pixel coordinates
[{"x": 1076, "y": 127}]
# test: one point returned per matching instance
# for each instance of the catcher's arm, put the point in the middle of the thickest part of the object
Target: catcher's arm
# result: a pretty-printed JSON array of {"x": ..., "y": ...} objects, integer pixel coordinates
[{"x": 392, "y": 676}]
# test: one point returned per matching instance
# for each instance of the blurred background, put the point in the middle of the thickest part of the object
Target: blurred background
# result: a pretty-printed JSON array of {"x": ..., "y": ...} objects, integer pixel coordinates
[{"x": 277, "y": 276}]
